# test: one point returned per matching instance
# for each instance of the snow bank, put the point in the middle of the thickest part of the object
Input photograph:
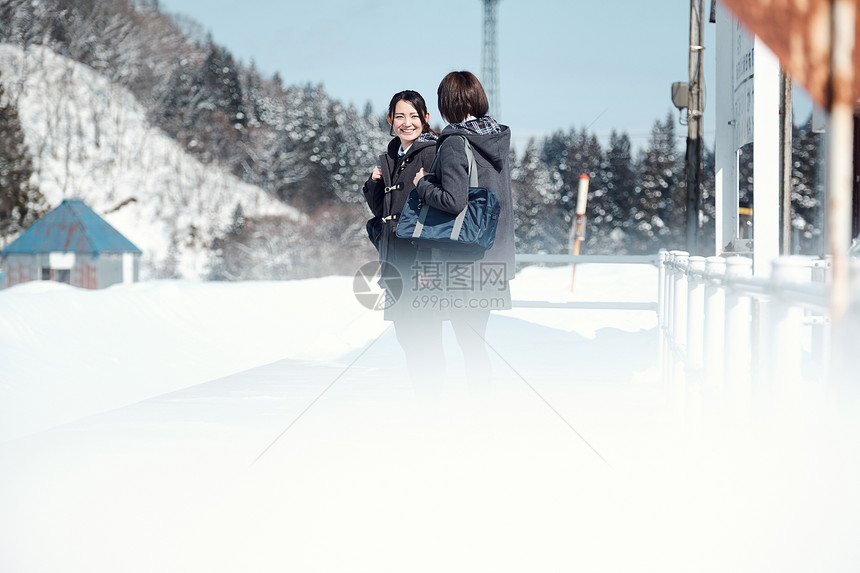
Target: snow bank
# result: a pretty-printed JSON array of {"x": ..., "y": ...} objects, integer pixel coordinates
[
  {"x": 68, "y": 352},
  {"x": 321, "y": 459}
]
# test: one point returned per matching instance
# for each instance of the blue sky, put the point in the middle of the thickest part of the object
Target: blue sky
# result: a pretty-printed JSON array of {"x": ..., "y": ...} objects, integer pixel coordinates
[{"x": 603, "y": 65}]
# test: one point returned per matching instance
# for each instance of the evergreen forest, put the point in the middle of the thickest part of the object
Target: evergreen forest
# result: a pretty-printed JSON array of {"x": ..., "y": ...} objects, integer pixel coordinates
[{"x": 314, "y": 152}]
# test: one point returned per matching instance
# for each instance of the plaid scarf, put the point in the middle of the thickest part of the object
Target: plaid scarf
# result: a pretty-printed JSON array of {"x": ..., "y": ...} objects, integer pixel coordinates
[
  {"x": 427, "y": 136},
  {"x": 482, "y": 126}
]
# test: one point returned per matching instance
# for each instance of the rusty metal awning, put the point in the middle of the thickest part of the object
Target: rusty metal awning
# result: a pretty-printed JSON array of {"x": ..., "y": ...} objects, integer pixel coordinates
[{"x": 799, "y": 32}]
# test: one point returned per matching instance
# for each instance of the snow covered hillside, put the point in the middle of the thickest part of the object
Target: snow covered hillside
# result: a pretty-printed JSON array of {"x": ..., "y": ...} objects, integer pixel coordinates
[{"x": 90, "y": 139}]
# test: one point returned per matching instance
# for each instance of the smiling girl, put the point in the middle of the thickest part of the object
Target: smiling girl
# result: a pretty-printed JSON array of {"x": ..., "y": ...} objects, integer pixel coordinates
[{"x": 412, "y": 150}]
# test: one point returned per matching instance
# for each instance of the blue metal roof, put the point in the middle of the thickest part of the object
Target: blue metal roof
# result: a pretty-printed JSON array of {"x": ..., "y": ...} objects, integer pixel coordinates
[{"x": 71, "y": 227}]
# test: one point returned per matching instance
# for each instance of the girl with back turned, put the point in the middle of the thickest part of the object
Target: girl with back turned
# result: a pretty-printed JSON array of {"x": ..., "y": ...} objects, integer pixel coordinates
[{"x": 472, "y": 285}]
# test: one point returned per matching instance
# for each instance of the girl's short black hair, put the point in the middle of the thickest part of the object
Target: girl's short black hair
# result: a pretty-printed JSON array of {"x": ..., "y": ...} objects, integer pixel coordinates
[{"x": 461, "y": 95}]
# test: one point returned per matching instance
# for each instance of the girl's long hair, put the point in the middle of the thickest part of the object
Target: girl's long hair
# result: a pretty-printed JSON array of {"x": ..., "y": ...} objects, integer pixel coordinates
[{"x": 415, "y": 100}]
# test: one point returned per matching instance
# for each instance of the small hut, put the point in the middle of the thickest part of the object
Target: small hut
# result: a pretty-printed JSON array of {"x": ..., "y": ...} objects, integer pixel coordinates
[{"x": 73, "y": 245}]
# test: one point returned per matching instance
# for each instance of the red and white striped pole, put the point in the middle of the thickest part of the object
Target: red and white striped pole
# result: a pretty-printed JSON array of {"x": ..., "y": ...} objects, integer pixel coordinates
[{"x": 579, "y": 224}]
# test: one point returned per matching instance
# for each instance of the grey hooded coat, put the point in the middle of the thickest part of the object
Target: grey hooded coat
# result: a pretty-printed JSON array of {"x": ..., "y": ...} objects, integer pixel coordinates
[{"x": 448, "y": 189}]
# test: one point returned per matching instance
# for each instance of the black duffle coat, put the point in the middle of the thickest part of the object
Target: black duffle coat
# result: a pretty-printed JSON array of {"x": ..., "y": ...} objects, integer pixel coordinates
[{"x": 386, "y": 198}]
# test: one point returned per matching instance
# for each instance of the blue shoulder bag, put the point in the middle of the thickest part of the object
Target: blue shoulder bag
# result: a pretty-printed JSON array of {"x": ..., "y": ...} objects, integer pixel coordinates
[{"x": 473, "y": 229}]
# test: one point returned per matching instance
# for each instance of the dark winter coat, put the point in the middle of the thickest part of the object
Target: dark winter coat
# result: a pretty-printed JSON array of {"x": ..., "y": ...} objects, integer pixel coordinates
[
  {"x": 386, "y": 198},
  {"x": 448, "y": 189}
]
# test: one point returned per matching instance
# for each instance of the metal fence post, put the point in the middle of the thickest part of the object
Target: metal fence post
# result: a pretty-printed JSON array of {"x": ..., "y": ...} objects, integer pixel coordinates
[
  {"x": 695, "y": 313},
  {"x": 715, "y": 321},
  {"x": 844, "y": 337},
  {"x": 663, "y": 257},
  {"x": 668, "y": 316},
  {"x": 679, "y": 313},
  {"x": 738, "y": 336},
  {"x": 785, "y": 329},
  {"x": 821, "y": 329},
  {"x": 679, "y": 303},
  {"x": 661, "y": 286}
]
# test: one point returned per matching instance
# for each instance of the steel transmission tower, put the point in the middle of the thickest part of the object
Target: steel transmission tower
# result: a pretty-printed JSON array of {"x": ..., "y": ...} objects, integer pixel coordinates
[{"x": 490, "y": 58}]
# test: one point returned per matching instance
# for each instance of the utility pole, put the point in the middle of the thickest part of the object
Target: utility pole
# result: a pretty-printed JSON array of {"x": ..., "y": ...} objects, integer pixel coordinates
[
  {"x": 490, "y": 58},
  {"x": 695, "y": 145},
  {"x": 786, "y": 122}
]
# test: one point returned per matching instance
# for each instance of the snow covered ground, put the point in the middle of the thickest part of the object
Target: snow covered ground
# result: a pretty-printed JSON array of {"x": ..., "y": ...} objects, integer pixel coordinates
[{"x": 185, "y": 426}]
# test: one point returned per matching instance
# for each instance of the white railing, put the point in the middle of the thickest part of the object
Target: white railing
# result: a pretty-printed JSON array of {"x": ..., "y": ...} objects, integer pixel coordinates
[
  {"x": 722, "y": 326},
  {"x": 724, "y": 331}
]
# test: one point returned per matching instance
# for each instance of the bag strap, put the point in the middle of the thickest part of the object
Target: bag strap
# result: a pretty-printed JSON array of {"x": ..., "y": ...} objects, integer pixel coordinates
[
  {"x": 385, "y": 169},
  {"x": 473, "y": 167},
  {"x": 461, "y": 216},
  {"x": 386, "y": 182},
  {"x": 419, "y": 224},
  {"x": 473, "y": 182}
]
